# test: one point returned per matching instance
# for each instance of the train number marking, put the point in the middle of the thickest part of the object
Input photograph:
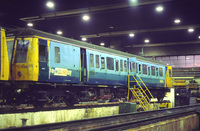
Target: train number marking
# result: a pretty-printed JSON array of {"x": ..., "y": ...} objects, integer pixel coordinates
[{"x": 61, "y": 72}]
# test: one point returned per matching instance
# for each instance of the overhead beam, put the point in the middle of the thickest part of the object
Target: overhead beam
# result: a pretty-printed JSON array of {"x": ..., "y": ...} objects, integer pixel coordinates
[
  {"x": 121, "y": 33},
  {"x": 68, "y": 13},
  {"x": 164, "y": 44}
]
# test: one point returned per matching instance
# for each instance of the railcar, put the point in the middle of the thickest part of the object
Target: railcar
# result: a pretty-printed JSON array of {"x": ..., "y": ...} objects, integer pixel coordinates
[{"x": 46, "y": 68}]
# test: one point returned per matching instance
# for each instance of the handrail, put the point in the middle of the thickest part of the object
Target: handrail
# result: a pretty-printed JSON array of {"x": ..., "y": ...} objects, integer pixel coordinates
[{"x": 145, "y": 98}]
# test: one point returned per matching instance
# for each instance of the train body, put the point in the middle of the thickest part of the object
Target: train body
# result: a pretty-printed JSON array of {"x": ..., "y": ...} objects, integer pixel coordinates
[{"x": 40, "y": 67}]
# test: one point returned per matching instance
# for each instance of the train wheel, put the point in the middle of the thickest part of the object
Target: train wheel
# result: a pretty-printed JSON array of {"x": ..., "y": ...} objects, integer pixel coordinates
[
  {"x": 70, "y": 100},
  {"x": 38, "y": 104}
]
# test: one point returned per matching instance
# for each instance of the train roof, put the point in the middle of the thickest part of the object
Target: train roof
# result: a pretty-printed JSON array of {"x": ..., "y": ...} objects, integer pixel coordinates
[{"x": 27, "y": 32}]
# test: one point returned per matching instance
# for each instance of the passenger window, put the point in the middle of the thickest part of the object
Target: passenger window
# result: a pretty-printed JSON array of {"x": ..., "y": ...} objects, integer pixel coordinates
[
  {"x": 156, "y": 71},
  {"x": 125, "y": 66},
  {"x": 130, "y": 67},
  {"x": 97, "y": 61},
  {"x": 133, "y": 66},
  {"x": 140, "y": 71},
  {"x": 57, "y": 54},
  {"x": 42, "y": 53},
  {"x": 149, "y": 73},
  {"x": 153, "y": 70},
  {"x": 121, "y": 65},
  {"x": 102, "y": 63},
  {"x": 117, "y": 65},
  {"x": 110, "y": 63},
  {"x": 136, "y": 67},
  {"x": 91, "y": 60},
  {"x": 161, "y": 72},
  {"x": 144, "y": 67}
]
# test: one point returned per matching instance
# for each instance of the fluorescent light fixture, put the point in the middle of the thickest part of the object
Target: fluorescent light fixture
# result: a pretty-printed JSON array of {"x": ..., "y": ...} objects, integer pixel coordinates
[
  {"x": 84, "y": 39},
  {"x": 59, "y": 32},
  {"x": 133, "y": 2},
  {"x": 146, "y": 41},
  {"x": 159, "y": 9},
  {"x": 131, "y": 35},
  {"x": 86, "y": 17},
  {"x": 50, "y": 4},
  {"x": 102, "y": 44},
  {"x": 30, "y": 24},
  {"x": 191, "y": 30},
  {"x": 177, "y": 21}
]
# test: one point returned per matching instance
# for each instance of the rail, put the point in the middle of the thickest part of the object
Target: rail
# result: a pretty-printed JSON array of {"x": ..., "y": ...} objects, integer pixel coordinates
[{"x": 105, "y": 123}]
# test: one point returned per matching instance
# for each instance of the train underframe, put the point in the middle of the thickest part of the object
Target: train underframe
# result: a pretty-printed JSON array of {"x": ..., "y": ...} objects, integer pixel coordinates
[{"x": 39, "y": 94}]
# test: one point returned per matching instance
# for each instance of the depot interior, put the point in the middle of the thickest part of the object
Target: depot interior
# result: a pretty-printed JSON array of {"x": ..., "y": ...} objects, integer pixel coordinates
[{"x": 163, "y": 30}]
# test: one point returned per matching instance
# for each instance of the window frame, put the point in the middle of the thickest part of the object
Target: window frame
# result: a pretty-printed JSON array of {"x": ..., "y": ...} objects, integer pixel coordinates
[
  {"x": 103, "y": 58},
  {"x": 97, "y": 61},
  {"x": 57, "y": 55},
  {"x": 110, "y": 63},
  {"x": 91, "y": 60}
]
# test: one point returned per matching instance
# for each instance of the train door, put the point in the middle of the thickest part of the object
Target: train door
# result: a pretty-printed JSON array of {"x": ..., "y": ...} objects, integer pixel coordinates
[
  {"x": 43, "y": 60},
  {"x": 4, "y": 62},
  {"x": 168, "y": 80}
]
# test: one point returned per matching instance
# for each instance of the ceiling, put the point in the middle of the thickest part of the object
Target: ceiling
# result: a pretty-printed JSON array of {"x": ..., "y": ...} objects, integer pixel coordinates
[{"x": 110, "y": 22}]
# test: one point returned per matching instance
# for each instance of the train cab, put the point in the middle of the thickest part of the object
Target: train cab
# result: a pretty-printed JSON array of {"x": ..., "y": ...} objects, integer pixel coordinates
[{"x": 43, "y": 60}]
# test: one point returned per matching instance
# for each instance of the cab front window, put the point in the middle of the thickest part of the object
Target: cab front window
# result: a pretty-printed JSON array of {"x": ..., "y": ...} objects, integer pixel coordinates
[{"x": 21, "y": 51}]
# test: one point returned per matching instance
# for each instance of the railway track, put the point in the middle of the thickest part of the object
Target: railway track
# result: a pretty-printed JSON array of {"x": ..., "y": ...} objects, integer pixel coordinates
[
  {"x": 23, "y": 109},
  {"x": 117, "y": 122}
]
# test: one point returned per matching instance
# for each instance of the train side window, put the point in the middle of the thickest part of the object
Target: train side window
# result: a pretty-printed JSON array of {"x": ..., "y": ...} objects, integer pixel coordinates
[
  {"x": 57, "y": 54},
  {"x": 42, "y": 53},
  {"x": 144, "y": 67},
  {"x": 110, "y": 63},
  {"x": 153, "y": 71},
  {"x": 133, "y": 66},
  {"x": 102, "y": 63},
  {"x": 97, "y": 61},
  {"x": 149, "y": 73},
  {"x": 125, "y": 66},
  {"x": 160, "y": 72},
  {"x": 117, "y": 65},
  {"x": 91, "y": 60},
  {"x": 140, "y": 69},
  {"x": 156, "y": 71},
  {"x": 136, "y": 67},
  {"x": 121, "y": 65}
]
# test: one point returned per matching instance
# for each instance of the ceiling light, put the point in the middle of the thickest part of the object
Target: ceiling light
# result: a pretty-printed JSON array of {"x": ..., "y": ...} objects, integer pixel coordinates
[
  {"x": 50, "y": 4},
  {"x": 146, "y": 41},
  {"x": 59, "y": 32},
  {"x": 102, "y": 44},
  {"x": 84, "y": 39},
  {"x": 133, "y": 2},
  {"x": 159, "y": 9},
  {"x": 131, "y": 35},
  {"x": 30, "y": 24},
  {"x": 199, "y": 37},
  {"x": 86, "y": 17},
  {"x": 191, "y": 30},
  {"x": 177, "y": 21}
]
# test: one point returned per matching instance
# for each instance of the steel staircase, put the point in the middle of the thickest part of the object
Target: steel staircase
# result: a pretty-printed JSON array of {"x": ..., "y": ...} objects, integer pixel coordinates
[{"x": 140, "y": 93}]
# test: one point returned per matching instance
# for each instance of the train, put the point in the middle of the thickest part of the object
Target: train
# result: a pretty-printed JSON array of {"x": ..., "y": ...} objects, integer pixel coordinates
[{"x": 42, "y": 68}]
